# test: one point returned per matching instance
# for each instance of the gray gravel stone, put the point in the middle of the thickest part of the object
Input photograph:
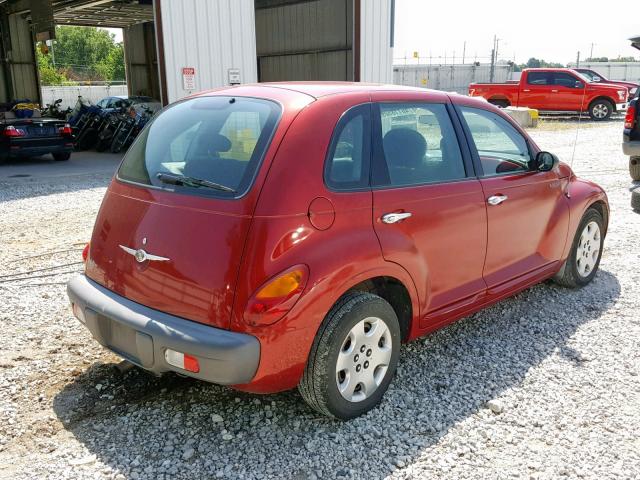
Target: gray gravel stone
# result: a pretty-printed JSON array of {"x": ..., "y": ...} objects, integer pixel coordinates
[{"x": 564, "y": 365}]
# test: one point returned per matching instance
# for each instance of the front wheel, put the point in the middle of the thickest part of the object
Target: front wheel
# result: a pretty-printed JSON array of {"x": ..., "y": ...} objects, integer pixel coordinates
[
  {"x": 600, "y": 109},
  {"x": 353, "y": 358},
  {"x": 586, "y": 251}
]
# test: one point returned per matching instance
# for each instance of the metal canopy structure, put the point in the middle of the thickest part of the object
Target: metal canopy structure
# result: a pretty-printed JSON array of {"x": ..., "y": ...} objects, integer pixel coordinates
[
  {"x": 102, "y": 13},
  {"x": 92, "y": 13}
]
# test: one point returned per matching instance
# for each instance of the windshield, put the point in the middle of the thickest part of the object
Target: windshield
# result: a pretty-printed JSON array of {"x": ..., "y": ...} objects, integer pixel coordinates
[{"x": 202, "y": 142}]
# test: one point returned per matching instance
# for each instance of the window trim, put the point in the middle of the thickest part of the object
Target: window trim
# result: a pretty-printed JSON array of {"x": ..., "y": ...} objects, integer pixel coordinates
[
  {"x": 378, "y": 157},
  {"x": 365, "y": 177},
  {"x": 474, "y": 149}
]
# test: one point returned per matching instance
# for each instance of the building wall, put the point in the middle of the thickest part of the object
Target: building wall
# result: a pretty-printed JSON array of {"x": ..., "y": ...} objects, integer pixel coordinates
[
  {"x": 376, "y": 52},
  {"x": 211, "y": 36},
  {"x": 140, "y": 54},
  {"x": 21, "y": 56},
  {"x": 69, "y": 94},
  {"x": 450, "y": 78},
  {"x": 309, "y": 40}
]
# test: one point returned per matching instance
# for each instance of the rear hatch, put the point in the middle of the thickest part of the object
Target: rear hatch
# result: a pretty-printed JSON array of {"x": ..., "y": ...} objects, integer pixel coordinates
[{"x": 171, "y": 229}]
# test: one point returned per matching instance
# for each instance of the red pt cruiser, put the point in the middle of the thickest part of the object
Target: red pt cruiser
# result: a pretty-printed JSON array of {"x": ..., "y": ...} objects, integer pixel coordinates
[{"x": 295, "y": 234}]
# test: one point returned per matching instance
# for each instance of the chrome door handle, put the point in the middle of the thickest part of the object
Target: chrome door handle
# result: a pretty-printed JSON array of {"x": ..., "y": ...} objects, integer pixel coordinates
[
  {"x": 496, "y": 199},
  {"x": 395, "y": 217},
  {"x": 526, "y": 90},
  {"x": 554, "y": 91}
]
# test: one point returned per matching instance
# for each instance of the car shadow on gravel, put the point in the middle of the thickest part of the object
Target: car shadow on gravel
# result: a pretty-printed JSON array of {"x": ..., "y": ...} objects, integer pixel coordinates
[{"x": 172, "y": 427}]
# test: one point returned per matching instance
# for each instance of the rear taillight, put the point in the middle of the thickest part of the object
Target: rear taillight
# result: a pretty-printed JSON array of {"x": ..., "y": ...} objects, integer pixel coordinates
[
  {"x": 11, "y": 131},
  {"x": 275, "y": 298},
  {"x": 630, "y": 118},
  {"x": 85, "y": 252},
  {"x": 66, "y": 130}
]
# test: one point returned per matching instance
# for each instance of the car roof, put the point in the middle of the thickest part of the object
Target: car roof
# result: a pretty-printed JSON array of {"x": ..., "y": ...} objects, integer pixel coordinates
[{"x": 314, "y": 89}]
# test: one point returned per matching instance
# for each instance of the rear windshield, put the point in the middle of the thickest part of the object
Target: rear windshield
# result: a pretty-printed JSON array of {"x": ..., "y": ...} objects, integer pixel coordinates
[{"x": 203, "y": 146}]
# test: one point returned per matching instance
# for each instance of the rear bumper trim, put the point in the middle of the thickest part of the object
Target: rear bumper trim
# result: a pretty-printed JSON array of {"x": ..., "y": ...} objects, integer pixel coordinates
[
  {"x": 141, "y": 335},
  {"x": 621, "y": 107},
  {"x": 631, "y": 148}
]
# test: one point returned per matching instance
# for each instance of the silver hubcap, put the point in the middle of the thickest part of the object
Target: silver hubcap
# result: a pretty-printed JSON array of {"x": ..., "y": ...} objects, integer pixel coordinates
[
  {"x": 600, "y": 110},
  {"x": 588, "y": 249},
  {"x": 363, "y": 359}
]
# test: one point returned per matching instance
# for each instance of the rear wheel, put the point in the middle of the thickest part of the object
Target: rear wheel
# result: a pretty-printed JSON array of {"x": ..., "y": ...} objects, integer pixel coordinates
[
  {"x": 634, "y": 168},
  {"x": 499, "y": 103},
  {"x": 353, "y": 358},
  {"x": 600, "y": 109},
  {"x": 61, "y": 157},
  {"x": 586, "y": 251}
]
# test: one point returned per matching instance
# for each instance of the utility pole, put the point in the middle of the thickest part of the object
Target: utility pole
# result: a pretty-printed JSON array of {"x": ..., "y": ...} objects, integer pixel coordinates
[
  {"x": 464, "y": 50},
  {"x": 591, "y": 54},
  {"x": 578, "y": 60},
  {"x": 493, "y": 60}
]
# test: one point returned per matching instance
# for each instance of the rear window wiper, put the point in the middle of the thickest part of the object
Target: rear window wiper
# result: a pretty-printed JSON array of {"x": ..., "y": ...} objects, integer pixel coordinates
[{"x": 173, "y": 179}]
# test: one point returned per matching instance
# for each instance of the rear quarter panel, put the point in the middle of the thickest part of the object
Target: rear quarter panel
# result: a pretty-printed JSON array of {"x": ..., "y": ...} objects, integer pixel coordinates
[{"x": 282, "y": 236}]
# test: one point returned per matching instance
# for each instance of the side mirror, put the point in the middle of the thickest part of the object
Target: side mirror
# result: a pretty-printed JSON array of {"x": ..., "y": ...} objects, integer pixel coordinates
[
  {"x": 579, "y": 84},
  {"x": 597, "y": 79},
  {"x": 546, "y": 161}
]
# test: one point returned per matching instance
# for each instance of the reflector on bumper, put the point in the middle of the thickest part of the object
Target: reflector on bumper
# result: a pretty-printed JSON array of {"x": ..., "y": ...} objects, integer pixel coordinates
[{"x": 182, "y": 360}]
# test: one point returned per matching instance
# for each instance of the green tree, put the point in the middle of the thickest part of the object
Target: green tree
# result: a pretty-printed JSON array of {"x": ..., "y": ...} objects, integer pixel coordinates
[
  {"x": 85, "y": 53},
  {"x": 48, "y": 74}
]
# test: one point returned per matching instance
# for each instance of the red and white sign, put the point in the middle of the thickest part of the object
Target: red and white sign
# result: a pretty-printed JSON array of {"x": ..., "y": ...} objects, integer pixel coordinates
[{"x": 188, "y": 78}]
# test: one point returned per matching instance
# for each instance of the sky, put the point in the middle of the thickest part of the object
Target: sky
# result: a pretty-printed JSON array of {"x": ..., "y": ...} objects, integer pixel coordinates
[{"x": 551, "y": 30}]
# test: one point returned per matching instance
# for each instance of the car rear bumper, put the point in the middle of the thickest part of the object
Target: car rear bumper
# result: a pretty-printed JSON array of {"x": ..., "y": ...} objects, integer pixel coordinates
[
  {"x": 142, "y": 335},
  {"x": 631, "y": 148},
  {"x": 37, "y": 147}
]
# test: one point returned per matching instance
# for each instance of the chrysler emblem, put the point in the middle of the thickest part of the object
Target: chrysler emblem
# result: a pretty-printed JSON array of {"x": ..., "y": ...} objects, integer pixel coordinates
[{"x": 141, "y": 256}]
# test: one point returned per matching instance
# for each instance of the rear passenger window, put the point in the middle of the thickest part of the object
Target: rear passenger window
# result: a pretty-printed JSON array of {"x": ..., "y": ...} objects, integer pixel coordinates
[
  {"x": 539, "y": 78},
  {"x": 347, "y": 165},
  {"x": 418, "y": 146}
]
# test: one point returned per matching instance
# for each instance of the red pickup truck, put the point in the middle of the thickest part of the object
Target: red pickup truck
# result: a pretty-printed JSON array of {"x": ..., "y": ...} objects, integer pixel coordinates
[{"x": 555, "y": 90}]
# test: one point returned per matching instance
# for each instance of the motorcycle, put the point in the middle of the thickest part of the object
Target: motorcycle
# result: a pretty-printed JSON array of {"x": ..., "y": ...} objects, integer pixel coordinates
[
  {"x": 114, "y": 122},
  {"x": 130, "y": 129},
  {"x": 91, "y": 124}
]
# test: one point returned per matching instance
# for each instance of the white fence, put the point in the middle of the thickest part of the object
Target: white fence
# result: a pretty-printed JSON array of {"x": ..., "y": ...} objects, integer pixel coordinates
[
  {"x": 69, "y": 94},
  {"x": 625, "y": 71},
  {"x": 450, "y": 78}
]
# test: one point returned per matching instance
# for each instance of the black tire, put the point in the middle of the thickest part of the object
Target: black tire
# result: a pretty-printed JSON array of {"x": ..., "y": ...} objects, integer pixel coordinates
[
  {"x": 104, "y": 143},
  {"x": 118, "y": 142},
  {"x": 499, "y": 103},
  {"x": 319, "y": 385},
  {"x": 87, "y": 139},
  {"x": 568, "y": 276},
  {"x": 601, "y": 109},
  {"x": 61, "y": 157},
  {"x": 634, "y": 168},
  {"x": 635, "y": 199}
]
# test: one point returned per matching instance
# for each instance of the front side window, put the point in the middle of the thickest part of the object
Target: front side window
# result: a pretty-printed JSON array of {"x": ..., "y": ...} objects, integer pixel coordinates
[
  {"x": 419, "y": 146},
  {"x": 501, "y": 148},
  {"x": 566, "y": 80},
  {"x": 347, "y": 165},
  {"x": 209, "y": 145}
]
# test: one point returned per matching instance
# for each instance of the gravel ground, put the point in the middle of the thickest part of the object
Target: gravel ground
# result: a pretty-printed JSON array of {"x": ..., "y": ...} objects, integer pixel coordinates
[{"x": 544, "y": 385}]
